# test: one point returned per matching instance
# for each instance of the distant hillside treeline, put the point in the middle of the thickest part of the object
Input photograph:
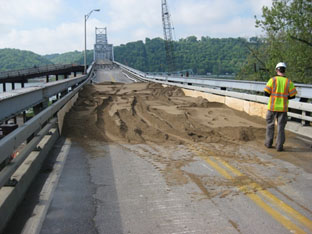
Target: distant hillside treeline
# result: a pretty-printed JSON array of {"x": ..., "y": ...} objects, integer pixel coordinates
[
  {"x": 76, "y": 57},
  {"x": 207, "y": 55},
  {"x": 11, "y": 59}
]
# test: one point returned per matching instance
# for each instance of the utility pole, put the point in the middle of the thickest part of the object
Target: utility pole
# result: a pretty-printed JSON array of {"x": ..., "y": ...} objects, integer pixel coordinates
[{"x": 167, "y": 26}]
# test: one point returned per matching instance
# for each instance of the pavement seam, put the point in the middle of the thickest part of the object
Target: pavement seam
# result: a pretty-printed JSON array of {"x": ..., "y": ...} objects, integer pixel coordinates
[{"x": 34, "y": 224}]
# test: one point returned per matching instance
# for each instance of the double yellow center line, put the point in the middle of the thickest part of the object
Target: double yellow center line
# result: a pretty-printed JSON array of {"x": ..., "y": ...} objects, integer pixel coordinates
[{"x": 223, "y": 167}]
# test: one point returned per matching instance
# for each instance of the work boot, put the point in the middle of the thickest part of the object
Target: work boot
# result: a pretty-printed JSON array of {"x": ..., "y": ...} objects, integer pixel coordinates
[
  {"x": 280, "y": 149},
  {"x": 268, "y": 146}
]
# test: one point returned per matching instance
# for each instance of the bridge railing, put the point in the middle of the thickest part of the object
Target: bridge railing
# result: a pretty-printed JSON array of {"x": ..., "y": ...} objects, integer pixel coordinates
[
  {"x": 246, "y": 90},
  {"x": 34, "y": 70},
  {"x": 33, "y": 139},
  {"x": 16, "y": 101}
]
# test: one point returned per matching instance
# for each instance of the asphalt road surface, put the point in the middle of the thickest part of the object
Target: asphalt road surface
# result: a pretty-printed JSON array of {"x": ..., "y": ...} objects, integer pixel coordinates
[
  {"x": 114, "y": 75},
  {"x": 127, "y": 188}
]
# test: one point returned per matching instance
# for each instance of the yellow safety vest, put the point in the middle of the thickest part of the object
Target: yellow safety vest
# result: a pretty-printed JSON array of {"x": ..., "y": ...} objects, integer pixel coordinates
[{"x": 279, "y": 88}]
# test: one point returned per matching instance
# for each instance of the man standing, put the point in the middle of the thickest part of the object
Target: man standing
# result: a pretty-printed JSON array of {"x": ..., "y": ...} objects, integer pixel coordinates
[{"x": 279, "y": 89}]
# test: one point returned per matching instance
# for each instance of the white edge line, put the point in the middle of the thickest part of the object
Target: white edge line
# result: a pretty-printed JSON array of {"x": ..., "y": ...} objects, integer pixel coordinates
[{"x": 134, "y": 80}]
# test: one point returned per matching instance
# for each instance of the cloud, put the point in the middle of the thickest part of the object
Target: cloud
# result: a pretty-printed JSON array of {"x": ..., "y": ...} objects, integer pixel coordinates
[
  {"x": 142, "y": 33},
  {"x": 256, "y": 5},
  {"x": 131, "y": 20},
  {"x": 237, "y": 27},
  {"x": 203, "y": 12},
  {"x": 128, "y": 13},
  {"x": 217, "y": 18},
  {"x": 49, "y": 26},
  {"x": 13, "y": 12},
  {"x": 63, "y": 38}
]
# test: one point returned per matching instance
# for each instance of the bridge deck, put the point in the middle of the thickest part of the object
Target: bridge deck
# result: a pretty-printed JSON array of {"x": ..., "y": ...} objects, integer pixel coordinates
[
  {"x": 149, "y": 160},
  {"x": 23, "y": 75}
]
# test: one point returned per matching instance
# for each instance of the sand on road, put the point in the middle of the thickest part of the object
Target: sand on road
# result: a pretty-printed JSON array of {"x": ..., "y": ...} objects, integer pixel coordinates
[{"x": 148, "y": 113}]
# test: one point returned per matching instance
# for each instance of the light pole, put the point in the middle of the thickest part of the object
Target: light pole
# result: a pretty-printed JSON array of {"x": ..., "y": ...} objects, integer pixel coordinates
[{"x": 86, "y": 17}]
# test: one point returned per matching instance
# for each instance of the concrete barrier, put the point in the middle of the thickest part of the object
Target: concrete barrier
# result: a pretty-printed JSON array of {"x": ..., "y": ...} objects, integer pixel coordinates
[
  {"x": 10, "y": 197},
  {"x": 62, "y": 112},
  {"x": 251, "y": 108},
  {"x": 208, "y": 96}
]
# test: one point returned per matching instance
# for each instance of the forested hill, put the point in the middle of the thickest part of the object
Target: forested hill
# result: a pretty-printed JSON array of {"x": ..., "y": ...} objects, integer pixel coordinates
[
  {"x": 76, "y": 57},
  {"x": 207, "y": 55},
  {"x": 11, "y": 59}
]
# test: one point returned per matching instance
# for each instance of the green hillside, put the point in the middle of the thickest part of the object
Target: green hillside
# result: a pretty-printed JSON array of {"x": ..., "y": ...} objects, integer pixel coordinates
[
  {"x": 75, "y": 57},
  {"x": 207, "y": 55},
  {"x": 11, "y": 59}
]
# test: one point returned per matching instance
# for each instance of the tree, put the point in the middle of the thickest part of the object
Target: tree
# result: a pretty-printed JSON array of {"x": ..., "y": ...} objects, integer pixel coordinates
[
  {"x": 288, "y": 27},
  {"x": 208, "y": 55},
  {"x": 12, "y": 59}
]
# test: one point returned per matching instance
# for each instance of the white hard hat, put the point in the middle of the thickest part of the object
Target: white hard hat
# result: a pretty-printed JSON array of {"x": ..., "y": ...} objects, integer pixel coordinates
[{"x": 280, "y": 64}]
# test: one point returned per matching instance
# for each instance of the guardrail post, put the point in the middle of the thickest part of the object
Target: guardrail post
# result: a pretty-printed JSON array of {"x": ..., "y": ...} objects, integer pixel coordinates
[
  {"x": 303, "y": 122},
  {"x": 38, "y": 108},
  {"x": 63, "y": 93},
  {"x": 24, "y": 116},
  {"x": 304, "y": 113},
  {"x": 4, "y": 87},
  {"x": 74, "y": 86}
]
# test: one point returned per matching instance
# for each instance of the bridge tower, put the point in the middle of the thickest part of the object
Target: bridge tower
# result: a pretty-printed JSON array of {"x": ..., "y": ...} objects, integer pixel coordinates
[
  {"x": 102, "y": 50},
  {"x": 167, "y": 27}
]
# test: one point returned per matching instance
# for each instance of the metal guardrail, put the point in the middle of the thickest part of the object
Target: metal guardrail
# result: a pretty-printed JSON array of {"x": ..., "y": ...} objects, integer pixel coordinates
[
  {"x": 20, "y": 171},
  {"x": 16, "y": 101},
  {"x": 9, "y": 170},
  {"x": 304, "y": 90},
  {"x": 227, "y": 88},
  {"x": 11, "y": 142},
  {"x": 40, "y": 122}
]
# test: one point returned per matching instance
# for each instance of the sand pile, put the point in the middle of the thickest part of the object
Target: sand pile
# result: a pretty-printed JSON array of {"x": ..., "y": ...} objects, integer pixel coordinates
[
  {"x": 175, "y": 130},
  {"x": 148, "y": 112}
]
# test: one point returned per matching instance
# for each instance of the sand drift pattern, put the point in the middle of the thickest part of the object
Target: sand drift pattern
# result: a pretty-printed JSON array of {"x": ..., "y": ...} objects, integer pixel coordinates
[{"x": 145, "y": 112}]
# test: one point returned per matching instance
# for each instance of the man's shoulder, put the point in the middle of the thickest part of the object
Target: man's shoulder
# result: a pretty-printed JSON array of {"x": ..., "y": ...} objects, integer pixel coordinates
[
  {"x": 271, "y": 79},
  {"x": 281, "y": 78}
]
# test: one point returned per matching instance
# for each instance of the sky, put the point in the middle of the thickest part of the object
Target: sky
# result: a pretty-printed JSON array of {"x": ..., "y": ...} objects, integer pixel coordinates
[{"x": 57, "y": 26}]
